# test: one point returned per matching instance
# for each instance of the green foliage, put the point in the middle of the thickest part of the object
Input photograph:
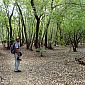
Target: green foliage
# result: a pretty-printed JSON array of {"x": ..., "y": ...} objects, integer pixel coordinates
[
  {"x": 41, "y": 51},
  {"x": 66, "y": 16},
  {"x": 74, "y": 23}
]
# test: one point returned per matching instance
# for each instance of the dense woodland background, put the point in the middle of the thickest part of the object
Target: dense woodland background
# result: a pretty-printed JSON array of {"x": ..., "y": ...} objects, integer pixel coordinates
[{"x": 43, "y": 23}]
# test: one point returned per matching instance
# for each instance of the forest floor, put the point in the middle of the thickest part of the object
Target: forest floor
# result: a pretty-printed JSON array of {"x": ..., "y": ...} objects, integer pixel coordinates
[{"x": 56, "y": 67}]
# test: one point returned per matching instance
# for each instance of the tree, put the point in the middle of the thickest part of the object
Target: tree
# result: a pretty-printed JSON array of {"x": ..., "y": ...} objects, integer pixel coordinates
[
  {"x": 43, "y": 22},
  {"x": 37, "y": 22},
  {"x": 73, "y": 27},
  {"x": 9, "y": 16},
  {"x": 23, "y": 24}
]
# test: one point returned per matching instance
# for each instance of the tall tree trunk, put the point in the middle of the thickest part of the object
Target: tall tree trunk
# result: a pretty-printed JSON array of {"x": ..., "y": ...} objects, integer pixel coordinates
[
  {"x": 8, "y": 37},
  {"x": 19, "y": 33},
  {"x": 2, "y": 32},
  {"x": 9, "y": 18},
  {"x": 10, "y": 25},
  {"x": 37, "y": 32},
  {"x": 37, "y": 22},
  {"x": 27, "y": 45},
  {"x": 50, "y": 42},
  {"x": 42, "y": 39},
  {"x": 10, "y": 31},
  {"x": 56, "y": 40},
  {"x": 48, "y": 23},
  {"x": 23, "y": 24},
  {"x": 46, "y": 33},
  {"x": 31, "y": 44},
  {"x": 22, "y": 36},
  {"x": 46, "y": 39},
  {"x": 59, "y": 28}
]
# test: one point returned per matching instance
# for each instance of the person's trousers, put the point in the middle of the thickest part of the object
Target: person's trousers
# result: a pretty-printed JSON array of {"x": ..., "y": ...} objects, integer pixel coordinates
[{"x": 17, "y": 62}]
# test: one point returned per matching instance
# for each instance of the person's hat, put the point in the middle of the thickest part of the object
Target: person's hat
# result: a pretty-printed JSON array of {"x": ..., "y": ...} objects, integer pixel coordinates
[{"x": 17, "y": 38}]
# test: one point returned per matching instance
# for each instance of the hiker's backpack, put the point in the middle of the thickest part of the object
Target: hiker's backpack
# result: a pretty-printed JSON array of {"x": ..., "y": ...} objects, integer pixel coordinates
[{"x": 12, "y": 48}]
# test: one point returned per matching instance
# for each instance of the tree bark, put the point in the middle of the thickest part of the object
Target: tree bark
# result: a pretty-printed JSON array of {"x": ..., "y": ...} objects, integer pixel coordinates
[
  {"x": 37, "y": 23},
  {"x": 9, "y": 18},
  {"x": 75, "y": 47},
  {"x": 23, "y": 24},
  {"x": 10, "y": 26},
  {"x": 74, "y": 42},
  {"x": 8, "y": 36},
  {"x": 46, "y": 33},
  {"x": 31, "y": 44},
  {"x": 10, "y": 31},
  {"x": 37, "y": 33}
]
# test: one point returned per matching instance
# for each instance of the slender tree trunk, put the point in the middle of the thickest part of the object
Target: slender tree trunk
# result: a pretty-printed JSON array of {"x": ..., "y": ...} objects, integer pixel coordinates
[
  {"x": 23, "y": 24},
  {"x": 47, "y": 26},
  {"x": 2, "y": 32},
  {"x": 8, "y": 37},
  {"x": 27, "y": 45},
  {"x": 55, "y": 42},
  {"x": 22, "y": 36},
  {"x": 46, "y": 39},
  {"x": 43, "y": 38},
  {"x": 9, "y": 18},
  {"x": 37, "y": 23},
  {"x": 10, "y": 26},
  {"x": 74, "y": 42},
  {"x": 46, "y": 33},
  {"x": 50, "y": 41},
  {"x": 30, "y": 48},
  {"x": 60, "y": 31},
  {"x": 37, "y": 33},
  {"x": 10, "y": 31},
  {"x": 19, "y": 33}
]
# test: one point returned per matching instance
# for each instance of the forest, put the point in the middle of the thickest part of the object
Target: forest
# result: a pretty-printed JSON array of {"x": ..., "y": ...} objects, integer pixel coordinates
[
  {"x": 52, "y": 35},
  {"x": 42, "y": 22}
]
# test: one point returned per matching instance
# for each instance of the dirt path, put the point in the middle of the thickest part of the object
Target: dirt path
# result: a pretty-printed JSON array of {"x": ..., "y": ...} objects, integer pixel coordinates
[{"x": 57, "y": 67}]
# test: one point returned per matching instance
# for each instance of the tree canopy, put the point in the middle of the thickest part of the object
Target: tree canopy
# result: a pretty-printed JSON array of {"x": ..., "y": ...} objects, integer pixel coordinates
[{"x": 43, "y": 22}]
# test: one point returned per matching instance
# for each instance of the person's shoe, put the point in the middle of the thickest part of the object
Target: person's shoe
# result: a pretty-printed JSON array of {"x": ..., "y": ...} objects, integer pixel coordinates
[
  {"x": 18, "y": 71},
  {"x": 19, "y": 59}
]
